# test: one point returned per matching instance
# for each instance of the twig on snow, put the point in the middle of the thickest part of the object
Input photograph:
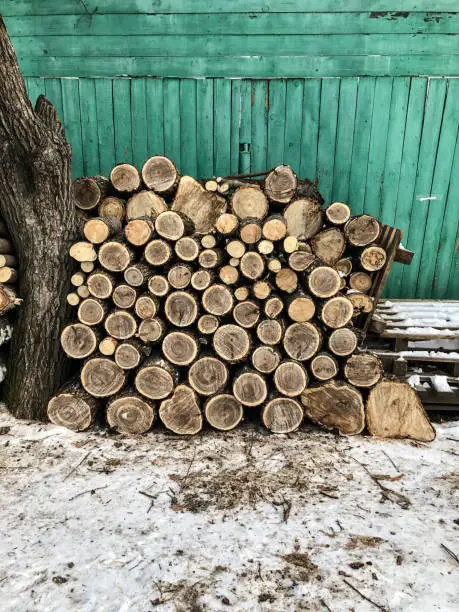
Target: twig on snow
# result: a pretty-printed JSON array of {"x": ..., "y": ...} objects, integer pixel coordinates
[
  {"x": 77, "y": 465},
  {"x": 395, "y": 467},
  {"x": 450, "y": 553},
  {"x": 364, "y": 596},
  {"x": 92, "y": 491}
]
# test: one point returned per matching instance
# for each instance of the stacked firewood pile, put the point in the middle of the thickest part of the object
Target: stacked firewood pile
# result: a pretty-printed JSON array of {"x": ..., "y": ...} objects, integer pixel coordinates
[
  {"x": 8, "y": 295},
  {"x": 217, "y": 299}
]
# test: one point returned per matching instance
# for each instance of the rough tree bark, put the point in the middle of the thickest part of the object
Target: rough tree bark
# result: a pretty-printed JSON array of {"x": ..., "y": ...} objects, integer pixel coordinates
[{"x": 37, "y": 205}]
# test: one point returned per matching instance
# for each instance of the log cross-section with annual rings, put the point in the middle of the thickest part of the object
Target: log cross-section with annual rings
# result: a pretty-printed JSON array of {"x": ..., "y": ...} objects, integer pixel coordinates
[
  {"x": 181, "y": 308},
  {"x": 223, "y": 412},
  {"x": 130, "y": 414},
  {"x": 231, "y": 343},
  {"x": 208, "y": 375}
]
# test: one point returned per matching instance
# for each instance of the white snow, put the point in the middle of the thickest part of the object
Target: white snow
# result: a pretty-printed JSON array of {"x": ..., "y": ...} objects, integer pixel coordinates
[
  {"x": 440, "y": 384},
  {"x": 414, "y": 380},
  {"x": 256, "y": 521},
  {"x": 424, "y": 331},
  {"x": 5, "y": 334}
]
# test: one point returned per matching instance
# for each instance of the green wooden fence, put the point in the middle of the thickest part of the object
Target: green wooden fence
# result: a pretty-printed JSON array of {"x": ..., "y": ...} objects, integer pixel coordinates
[{"x": 361, "y": 96}]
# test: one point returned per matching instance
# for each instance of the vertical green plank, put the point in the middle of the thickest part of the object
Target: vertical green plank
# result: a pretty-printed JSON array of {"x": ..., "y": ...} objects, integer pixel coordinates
[
  {"x": 188, "y": 126},
  {"x": 436, "y": 207},
  {"x": 327, "y": 136},
  {"x": 259, "y": 125},
  {"x": 71, "y": 106},
  {"x": 361, "y": 145},
  {"x": 155, "y": 124},
  {"x": 53, "y": 92},
  {"x": 344, "y": 138},
  {"x": 171, "y": 101},
  {"x": 405, "y": 127},
  {"x": 235, "y": 123},
  {"x": 89, "y": 127},
  {"x": 378, "y": 142},
  {"x": 310, "y": 128},
  {"x": 426, "y": 165},
  {"x": 139, "y": 122},
  {"x": 245, "y": 128},
  {"x": 105, "y": 128},
  {"x": 35, "y": 87},
  {"x": 122, "y": 120},
  {"x": 205, "y": 127},
  {"x": 293, "y": 116},
  {"x": 447, "y": 264},
  {"x": 276, "y": 122},
  {"x": 222, "y": 126}
]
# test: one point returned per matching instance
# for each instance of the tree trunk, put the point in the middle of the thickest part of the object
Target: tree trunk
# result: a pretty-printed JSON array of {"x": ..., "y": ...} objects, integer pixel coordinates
[{"x": 37, "y": 206}]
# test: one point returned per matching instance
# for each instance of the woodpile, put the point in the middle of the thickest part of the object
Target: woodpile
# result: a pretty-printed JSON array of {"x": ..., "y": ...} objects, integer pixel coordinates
[
  {"x": 209, "y": 301},
  {"x": 8, "y": 292}
]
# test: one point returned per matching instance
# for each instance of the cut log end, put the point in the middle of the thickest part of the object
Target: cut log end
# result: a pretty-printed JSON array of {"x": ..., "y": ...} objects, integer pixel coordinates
[
  {"x": 223, "y": 412},
  {"x": 160, "y": 174},
  {"x": 250, "y": 389},
  {"x": 363, "y": 370},
  {"x": 281, "y": 184},
  {"x": 181, "y": 413},
  {"x": 282, "y": 415},
  {"x": 73, "y": 408},
  {"x": 130, "y": 414},
  {"x": 208, "y": 375}
]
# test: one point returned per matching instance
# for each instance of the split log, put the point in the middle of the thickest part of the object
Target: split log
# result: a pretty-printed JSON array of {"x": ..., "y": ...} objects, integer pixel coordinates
[
  {"x": 250, "y": 230},
  {"x": 187, "y": 248},
  {"x": 100, "y": 284},
  {"x": 124, "y": 296},
  {"x": 92, "y": 311},
  {"x": 180, "y": 348},
  {"x": 181, "y": 413},
  {"x": 208, "y": 375},
  {"x": 304, "y": 218},
  {"x": 363, "y": 370},
  {"x": 342, "y": 342},
  {"x": 114, "y": 256},
  {"x": 172, "y": 226},
  {"x": 151, "y": 330},
  {"x": 128, "y": 354},
  {"x": 158, "y": 252},
  {"x": 329, "y": 245},
  {"x": 158, "y": 285},
  {"x": 145, "y": 204},
  {"x": 275, "y": 228},
  {"x": 179, "y": 276},
  {"x": 290, "y": 378},
  {"x": 336, "y": 406},
  {"x": 83, "y": 251},
  {"x": 302, "y": 340},
  {"x": 99, "y": 230},
  {"x": 337, "y": 312},
  {"x": 301, "y": 260},
  {"x": 287, "y": 280},
  {"x": 78, "y": 340},
  {"x": 207, "y": 324},
  {"x": 323, "y": 366},
  {"x": 107, "y": 346},
  {"x": 139, "y": 231},
  {"x": 273, "y": 307},
  {"x": 112, "y": 207},
  {"x": 246, "y": 313},
  {"x": 125, "y": 178},
  {"x": 160, "y": 174},
  {"x": 373, "y": 258},
  {"x": 138, "y": 274},
  {"x": 72, "y": 407},
  {"x": 181, "y": 308},
  {"x": 231, "y": 343},
  {"x": 324, "y": 282},
  {"x": 301, "y": 307},
  {"x": 249, "y": 201},
  {"x": 227, "y": 224},
  {"x": 201, "y": 206},
  {"x": 146, "y": 307},
  {"x": 362, "y": 230},
  {"x": 280, "y": 184},
  {"x": 201, "y": 279},
  {"x": 338, "y": 213},
  {"x": 130, "y": 414},
  {"x": 156, "y": 378},
  {"x": 102, "y": 377},
  {"x": 265, "y": 359},
  {"x": 89, "y": 191},
  {"x": 282, "y": 415},
  {"x": 120, "y": 324},
  {"x": 218, "y": 300},
  {"x": 360, "y": 281},
  {"x": 270, "y": 331},
  {"x": 223, "y": 412},
  {"x": 249, "y": 388},
  {"x": 394, "y": 410}
]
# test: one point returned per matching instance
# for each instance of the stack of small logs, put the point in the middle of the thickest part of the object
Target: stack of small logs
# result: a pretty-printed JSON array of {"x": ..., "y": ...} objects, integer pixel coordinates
[
  {"x": 215, "y": 300},
  {"x": 8, "y": 295}
]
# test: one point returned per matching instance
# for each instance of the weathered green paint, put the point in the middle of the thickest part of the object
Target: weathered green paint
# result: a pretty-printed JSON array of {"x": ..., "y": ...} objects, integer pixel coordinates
[{"x": 344, "y": 138}]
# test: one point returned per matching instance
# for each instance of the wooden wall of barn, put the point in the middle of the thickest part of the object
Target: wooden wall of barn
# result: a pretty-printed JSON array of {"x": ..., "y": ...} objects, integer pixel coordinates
[{"x": 361, "y": 96}]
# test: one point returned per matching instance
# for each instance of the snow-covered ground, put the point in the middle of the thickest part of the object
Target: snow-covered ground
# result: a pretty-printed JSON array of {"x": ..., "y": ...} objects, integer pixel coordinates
[{"x": 242, "y": 520}]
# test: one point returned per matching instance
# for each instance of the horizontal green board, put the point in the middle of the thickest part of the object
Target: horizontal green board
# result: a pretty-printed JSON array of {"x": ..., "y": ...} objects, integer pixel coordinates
[
  {"x": 215, "y": 45},
  {"x": 257, "y": 67},
  {"x": 231, "y": 23},
  {"x": 63, "y": 7}
]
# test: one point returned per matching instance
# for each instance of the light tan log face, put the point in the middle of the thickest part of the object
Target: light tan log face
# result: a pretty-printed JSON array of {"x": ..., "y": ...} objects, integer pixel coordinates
[
  {"x": 304, "y": 218},
  {"x": 281, "y": 184},
  {"x": 290, "y": 378},
  {"x": 115, "y": 256},
  {"x": 181, "y": 413},
  {"x": 208, "y": 375},
  {"x": 151, "y": 330},
  {"x": 250, "y": 388},
  {"x": 363, "y": 370},
  {"x": 342, "y": 341},
  {"x": 120, "y": 324},
  {"x": 231, "y": 343},
  {"x": 130, "y": 414},
  {"x": 362, "y": 230},
  {"x": 249, "y": 202},
  {"x": 218, "y": 300},
  {"x": 144, "y": 204},
  {"x": 102, "y": 377},
  {"x": 180, "y": 348},
  {"x": 301, "y": 341},
  {"x": 154, "y": 381},
  {"x": 323, "y": 367},
  {"x": 324, "y": 282},
  {"x": 181, "y": 308},
  {"x": 124, "y": 296},
  {"x": 265, "y": 359},
  {"x": 159, "y": 174},
  {"x": 125, "y": 178},
  {"x": 78, "y": 340},
  {"x": 224, "y": 412},
  {"x": 157, "y": 252},
  {"x": 337, "y": 312},
  {"x": 282, "y": 415},
  {"x": 246, "y": 313}
]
